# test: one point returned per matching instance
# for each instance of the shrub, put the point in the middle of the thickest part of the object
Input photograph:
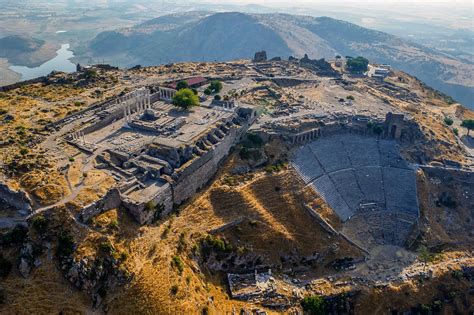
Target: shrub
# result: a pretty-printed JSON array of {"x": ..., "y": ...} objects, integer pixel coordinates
[
  {"x": 5, "y": 266},
  {"x": 71, "y": 159},
  {"x": 177, "y": 263},
  {"x": 425, "y": 256},
  {"x": 181, "y": 243},
  {"x": 217, "y": 97},
  {"x": 350, "y": 97},
  {"x": 215, "y": 86},
  {"x": 174, "y": 289},
  {"x": 185, "y": 99},
  {"x": 150, "y": 206},
  {"x": 456, "y": 131},
  {"x": 457, "y": 274},
  {"x": 39, "y": 223},
  {"x": 275, "y": 167},
  {"x": 65, "y": 244},
  {"x": 106, "y": 247},
  {"x": 214, "y": 244},
  {"x": 448, "y": 121},
  {"x": 113, "y": 225},
  {"x": 90, "y": 74},
  {"x": 24, "y": 151},
  {"x": 207, "y": 91},
  {"x": 182, "y": 85},
  {"x": 314, "y": 305}
]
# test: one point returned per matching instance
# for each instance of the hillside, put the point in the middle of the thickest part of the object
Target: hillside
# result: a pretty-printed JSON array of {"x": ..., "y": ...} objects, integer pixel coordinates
[
  {"x": 25, "y": 50},
  {"x": 202, "y": 36},
  {"x": 255, "y": 213}
]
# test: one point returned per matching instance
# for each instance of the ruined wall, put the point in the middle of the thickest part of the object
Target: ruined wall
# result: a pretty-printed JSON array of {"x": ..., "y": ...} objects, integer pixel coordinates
[
  {"x": 195, "y": 176},
  {"x": 99, "y": 124},
  {"x": 111, "y": 200},
  {"x": 164, "y": 199},
  {"x": 15, "y": 198}
]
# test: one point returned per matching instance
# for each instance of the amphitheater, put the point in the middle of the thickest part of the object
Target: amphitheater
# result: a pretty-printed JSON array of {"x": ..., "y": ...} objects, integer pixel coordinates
[{"x": 366, "y": 182}]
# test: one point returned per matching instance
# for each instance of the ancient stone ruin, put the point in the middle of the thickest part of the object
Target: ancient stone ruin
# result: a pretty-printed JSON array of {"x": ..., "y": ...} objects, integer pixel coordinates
[{"x": 260, "y": 56}]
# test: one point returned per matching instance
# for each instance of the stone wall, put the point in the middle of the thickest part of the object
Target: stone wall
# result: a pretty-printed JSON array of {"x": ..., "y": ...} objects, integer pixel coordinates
[
  {"x": 111, "y": 200},
  {"x": 163, "y": 199},
  {"x": 197, "y": 175},
  {"x": 15, "y": 198}
]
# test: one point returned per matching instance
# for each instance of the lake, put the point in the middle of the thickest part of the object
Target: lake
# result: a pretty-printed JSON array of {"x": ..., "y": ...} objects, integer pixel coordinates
[{"x": 59, "y": 63}]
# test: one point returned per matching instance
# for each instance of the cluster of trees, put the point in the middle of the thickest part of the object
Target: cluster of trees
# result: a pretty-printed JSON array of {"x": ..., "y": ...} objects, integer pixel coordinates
[
  {"x": 186, "y": 97},
  {"x": 357, "y": 65},
  {"x": 214, "y": 87}
]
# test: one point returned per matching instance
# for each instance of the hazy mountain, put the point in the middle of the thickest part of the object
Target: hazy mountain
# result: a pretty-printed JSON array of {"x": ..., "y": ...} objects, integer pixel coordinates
[
  {"x": 19, "y": 44},
  {"x": 203, "y": 36},
  {"x": 25, "y": 50}
]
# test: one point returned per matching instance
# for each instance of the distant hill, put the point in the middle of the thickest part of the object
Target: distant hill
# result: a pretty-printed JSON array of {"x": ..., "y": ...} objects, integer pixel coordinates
[
  {"x": 17, "y": 43},
  {"x": 203, "y": 36},
  {"x": 25, "y": 50}
]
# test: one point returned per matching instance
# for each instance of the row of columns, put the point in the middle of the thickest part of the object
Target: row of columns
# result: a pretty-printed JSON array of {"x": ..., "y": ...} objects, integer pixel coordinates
[
  {"x": 166, "y": 94},
  {"x": 308, "y": 136},
  {"x": 142, "y": 93},
  {"x": 135, "y": 103},
  {"x": 228, "y": 104},
  {"x": 78, "y": 135}
]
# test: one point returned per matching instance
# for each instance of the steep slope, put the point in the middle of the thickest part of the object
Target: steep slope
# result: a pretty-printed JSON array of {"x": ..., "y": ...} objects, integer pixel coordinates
[{"x": 201, "y": 36}]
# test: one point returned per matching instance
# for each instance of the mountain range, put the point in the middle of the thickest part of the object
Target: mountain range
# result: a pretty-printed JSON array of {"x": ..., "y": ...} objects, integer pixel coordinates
[{"x": 206, "y": 36}]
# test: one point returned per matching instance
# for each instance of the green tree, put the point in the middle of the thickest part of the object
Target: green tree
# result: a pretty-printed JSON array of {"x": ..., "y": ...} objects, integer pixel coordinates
[
  {"x": 215, "y": 86},
  {"x": 357, "y": 65},
  {"x": 468, "y": 124},
  {"x": 185, "y": 99},
  {"x": 314, "y": 305},
  {"x": 182, "y": 85},
  {"x": 448, "y": 121}
]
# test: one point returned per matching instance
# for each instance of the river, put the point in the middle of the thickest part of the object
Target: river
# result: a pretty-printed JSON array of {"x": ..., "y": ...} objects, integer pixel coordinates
[{"x": 59, "y": 63}]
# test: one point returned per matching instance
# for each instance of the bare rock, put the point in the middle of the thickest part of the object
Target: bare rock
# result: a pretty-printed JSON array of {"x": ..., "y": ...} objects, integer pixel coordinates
[{"x": 24, "y": 267}]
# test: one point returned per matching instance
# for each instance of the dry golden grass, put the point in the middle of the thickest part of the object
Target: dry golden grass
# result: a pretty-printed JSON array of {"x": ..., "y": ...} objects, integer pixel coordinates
[
  {"x": 46, "y": 186},
  {"x": 277, "y": 225},
  {"x": 405, "y": 296},
  {"x": 44, "y": 292}
]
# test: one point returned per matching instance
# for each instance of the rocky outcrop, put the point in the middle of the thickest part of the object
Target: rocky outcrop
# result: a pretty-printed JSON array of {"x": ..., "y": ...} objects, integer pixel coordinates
[
  {"x": 95, "y": 275},
  {"x": 15, "y": 198}
]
